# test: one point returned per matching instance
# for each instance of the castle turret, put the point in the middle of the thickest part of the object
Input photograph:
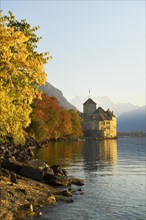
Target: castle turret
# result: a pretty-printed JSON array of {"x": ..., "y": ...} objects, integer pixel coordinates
[{"x": 89, "y": 107}]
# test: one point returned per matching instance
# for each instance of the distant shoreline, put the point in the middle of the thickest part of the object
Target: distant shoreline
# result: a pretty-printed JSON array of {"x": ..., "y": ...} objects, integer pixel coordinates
[{"x": 132, "y": 134}]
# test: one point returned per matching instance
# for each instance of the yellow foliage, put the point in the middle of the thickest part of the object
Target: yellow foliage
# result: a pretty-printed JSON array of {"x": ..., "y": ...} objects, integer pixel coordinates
[{"x": 21, "y": 73}]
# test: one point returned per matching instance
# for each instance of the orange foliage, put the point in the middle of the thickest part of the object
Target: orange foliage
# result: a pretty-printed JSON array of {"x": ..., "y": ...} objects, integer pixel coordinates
[{"x": 51, "y": 121}]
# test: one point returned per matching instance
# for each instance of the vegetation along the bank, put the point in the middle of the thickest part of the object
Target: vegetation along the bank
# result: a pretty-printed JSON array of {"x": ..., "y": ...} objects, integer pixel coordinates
[
  {"x": 28, "y": 116},
  {"x": 24, "y": 110}
]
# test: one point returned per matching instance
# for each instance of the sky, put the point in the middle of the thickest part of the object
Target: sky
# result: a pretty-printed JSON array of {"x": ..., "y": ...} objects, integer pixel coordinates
[{"x": 96, "y": 45}]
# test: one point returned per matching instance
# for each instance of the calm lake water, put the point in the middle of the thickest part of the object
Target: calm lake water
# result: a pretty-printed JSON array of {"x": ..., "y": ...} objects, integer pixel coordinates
[{"x": 114, "y": 175}]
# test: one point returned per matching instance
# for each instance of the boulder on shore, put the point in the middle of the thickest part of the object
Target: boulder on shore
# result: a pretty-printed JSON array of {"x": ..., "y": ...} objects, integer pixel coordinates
[
  {"x": 78, "y": 182},
  {"x": 36, "y": 169},
  {"x": 58, "y": 171},
  {"x": 32, "y": 172},
  {"x": 59, "y": 181},
  {"x": 20, "y": 160}
]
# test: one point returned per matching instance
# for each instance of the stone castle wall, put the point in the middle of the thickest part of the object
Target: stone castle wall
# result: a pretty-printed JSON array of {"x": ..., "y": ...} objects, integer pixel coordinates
[{"x": 89, "y": 109}]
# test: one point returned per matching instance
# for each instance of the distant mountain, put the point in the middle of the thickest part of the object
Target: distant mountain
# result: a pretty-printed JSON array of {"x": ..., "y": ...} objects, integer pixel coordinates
[
  {"x": 105, "y": 102},
  {"x": 52, "y": 91},
  {"x": 133, "y": 120}
]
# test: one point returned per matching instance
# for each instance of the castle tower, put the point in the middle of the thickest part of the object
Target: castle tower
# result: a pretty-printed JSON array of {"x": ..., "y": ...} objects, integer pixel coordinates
[{"x": 89, "y": 107}]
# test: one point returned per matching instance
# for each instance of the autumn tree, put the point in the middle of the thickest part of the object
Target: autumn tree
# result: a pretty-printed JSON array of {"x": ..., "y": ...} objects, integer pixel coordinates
[
  {"x": 49, "y": 120},
  {"x": 76, "y": 123},
  {"x": 44, "y": 118},
  {"x": 65, "y": 126},
  {"x": 21, "y": 73}
]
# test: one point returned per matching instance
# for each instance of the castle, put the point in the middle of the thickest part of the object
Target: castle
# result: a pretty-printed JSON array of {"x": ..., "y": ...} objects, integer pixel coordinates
[{"x": 98, "y": 123}]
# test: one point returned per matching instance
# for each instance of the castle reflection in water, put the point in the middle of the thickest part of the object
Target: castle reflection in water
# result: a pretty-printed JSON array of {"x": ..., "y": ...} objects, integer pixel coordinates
[{"x": 108, "y": 151}]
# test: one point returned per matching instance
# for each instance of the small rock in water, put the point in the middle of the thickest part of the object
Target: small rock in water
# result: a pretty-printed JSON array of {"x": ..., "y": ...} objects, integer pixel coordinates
[
  {"x": 80, "y": 190},
  {"x": 39, "y": 213},
  {"x": 70, "y": 201},
  {"x": 77, "y": 181},
  {"x": 67, "y": 193},
  {"x": 51, "y": 198},
  {"x": 71, "y": 190}
]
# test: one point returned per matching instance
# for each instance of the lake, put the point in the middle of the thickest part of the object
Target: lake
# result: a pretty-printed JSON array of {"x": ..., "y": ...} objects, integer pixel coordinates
[{"x": 114, "y": 175}]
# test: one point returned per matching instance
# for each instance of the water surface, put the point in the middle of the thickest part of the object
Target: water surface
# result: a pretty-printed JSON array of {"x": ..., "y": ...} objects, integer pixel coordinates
[{"x": 114, "y": 175}]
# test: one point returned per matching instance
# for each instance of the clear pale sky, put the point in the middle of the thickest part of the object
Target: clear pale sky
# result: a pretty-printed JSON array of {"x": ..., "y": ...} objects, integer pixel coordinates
[{"x": 95, "y": 44}]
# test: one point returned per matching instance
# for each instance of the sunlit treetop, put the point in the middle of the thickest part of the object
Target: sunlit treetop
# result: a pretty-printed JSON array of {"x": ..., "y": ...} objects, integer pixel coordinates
[{"x": 21, "y": 74}]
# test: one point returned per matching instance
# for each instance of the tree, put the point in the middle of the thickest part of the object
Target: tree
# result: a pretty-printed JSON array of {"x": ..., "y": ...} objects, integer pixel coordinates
[
  {"x": 49, "y": 120},
  {"x": 21, "y": 73},
  {"x": 76, "y": 124},
  {"x": 45, "y": 118},
  {"x": 65, "y": 125}
]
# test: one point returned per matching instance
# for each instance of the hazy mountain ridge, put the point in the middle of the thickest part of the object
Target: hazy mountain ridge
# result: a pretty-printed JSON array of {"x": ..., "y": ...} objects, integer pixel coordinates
[
  {"x": 52, "y": 91},
  {"x": 105, "y": 103},
  {"x": 133, "y": 120}
]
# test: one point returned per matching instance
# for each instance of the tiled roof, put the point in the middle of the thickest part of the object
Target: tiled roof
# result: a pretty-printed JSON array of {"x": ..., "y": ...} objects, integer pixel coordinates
[{"x": 99, "y": 111}]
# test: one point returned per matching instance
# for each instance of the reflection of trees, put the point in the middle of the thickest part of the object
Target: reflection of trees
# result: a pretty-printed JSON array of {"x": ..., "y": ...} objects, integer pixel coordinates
[{"x": 63, "y": 153}]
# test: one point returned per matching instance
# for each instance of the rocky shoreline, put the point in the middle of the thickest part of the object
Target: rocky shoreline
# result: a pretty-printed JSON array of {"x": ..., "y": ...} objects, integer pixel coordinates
[{"x": 27, "y": 184}]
